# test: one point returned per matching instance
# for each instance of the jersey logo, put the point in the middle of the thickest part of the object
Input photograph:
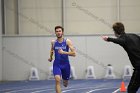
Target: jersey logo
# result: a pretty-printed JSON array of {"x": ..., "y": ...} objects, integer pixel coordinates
[{"x": 63, "y": 47}]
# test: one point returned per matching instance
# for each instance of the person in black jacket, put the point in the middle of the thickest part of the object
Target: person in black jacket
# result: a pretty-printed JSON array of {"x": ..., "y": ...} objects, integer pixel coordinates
[{"x": 131, "y": 44}]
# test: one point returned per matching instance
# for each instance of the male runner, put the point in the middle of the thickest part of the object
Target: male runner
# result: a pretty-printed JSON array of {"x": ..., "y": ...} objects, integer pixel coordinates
[{"x": 61, "y": 66}]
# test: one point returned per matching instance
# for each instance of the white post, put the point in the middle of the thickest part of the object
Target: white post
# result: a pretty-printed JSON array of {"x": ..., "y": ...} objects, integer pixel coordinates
[
  {"x": 127, "y": 72},
  {"x": 0, "y": 43},
  {"x": 34, "y": 74},
  {"x": 118, "y": 10},
  {"x": 90, "y": 73},
  {"x": 110, "y": 73}
]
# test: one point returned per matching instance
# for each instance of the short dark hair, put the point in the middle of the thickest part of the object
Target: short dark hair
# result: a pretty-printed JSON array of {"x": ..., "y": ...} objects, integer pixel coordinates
[
  {"x": 59, "y": 27},
  {"x": 118, "y": 28}
]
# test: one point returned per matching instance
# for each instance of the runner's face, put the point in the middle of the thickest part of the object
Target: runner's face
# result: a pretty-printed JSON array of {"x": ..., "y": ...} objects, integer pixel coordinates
[{"x": 59, "y": 33}]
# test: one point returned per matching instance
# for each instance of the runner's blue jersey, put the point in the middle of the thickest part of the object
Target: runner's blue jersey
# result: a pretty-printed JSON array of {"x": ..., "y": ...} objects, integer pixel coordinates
[{"x": 61, "y": 58}]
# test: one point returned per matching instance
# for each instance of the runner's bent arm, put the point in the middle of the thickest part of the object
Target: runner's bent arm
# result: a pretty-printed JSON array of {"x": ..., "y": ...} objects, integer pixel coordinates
[
  {"x": 72, "y": 50},
  {"x": 51, "y": 51}
]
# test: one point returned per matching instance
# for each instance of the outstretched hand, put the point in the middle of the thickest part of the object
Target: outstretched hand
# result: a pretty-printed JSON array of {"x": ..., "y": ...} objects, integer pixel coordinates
[{"x": 105, "y": 38}]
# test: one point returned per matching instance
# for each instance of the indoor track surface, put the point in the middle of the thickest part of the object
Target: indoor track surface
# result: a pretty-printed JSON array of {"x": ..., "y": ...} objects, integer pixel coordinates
[{"x": 75, "y": 86}]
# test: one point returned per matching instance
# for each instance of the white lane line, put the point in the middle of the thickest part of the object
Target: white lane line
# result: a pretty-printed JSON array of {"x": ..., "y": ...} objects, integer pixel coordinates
[
  {"x": 42, "y": 90},
  {"x": 75, "y": 89},
  {"x": 19, "y": 90},
  {"x": 95, "y": 88},
  {"x": 87, "y": 88},
  {"x": 99, "y": 89},
  {"x": 116, "y": 90},
  {"x": 69, "y": 89},
  {"x": 11, "y": 89}
]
